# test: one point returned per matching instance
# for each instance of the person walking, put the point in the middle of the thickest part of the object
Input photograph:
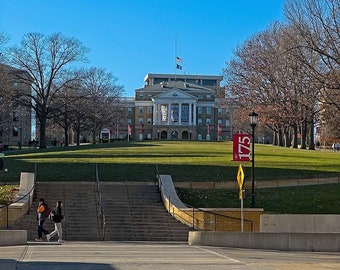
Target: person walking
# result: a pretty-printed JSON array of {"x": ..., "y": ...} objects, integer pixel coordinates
[
  {"x": 57, "y": 216},
  {"x": 41, "y": 217}
]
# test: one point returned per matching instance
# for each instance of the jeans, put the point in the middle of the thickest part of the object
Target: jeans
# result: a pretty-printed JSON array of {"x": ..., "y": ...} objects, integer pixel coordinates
[{"x": 41, "y": 229}]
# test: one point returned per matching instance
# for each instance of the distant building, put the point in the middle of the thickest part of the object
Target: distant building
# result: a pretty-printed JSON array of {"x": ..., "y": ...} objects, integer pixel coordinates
[
  {"x": 15, "y": 118},
  {"x": 171, "y": 107}
]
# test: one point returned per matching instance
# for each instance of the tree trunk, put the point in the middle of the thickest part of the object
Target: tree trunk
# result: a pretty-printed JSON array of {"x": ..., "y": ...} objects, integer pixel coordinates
[
  {"x": 303, "y": 135},
  {"x": 295, "y": 132},
  {"x": 280, "y": 137},
  {"x": 287, "y": 139},
  {"x": 66, "y": 143},
  {"x": 78, "y": 137},
  {"x": 42, "y": 132},
  {"x": 94, "y": 137},
  {"x": 311, "y": 144}
]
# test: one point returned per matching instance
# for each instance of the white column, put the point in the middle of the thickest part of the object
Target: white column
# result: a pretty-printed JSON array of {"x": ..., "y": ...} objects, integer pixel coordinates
[
  {"x": 154, "y": 114},
  {"x": 190, "y": 114},
  {"x": 180, "y": 114},
  {"x": 169, "y": 113},
  {"x": 194, "y": 121},
  {"x": 159, "y": 113}
]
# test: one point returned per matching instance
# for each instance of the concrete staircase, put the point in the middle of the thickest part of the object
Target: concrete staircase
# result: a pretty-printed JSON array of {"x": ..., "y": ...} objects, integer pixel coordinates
[
  {"x": 80, "y": 210},
  {"x": 133, "y": 212}
]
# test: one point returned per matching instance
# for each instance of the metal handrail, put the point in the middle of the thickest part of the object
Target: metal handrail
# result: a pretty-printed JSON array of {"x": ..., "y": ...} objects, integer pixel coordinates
[
  {"x": 170, "y": 200},
  {"x": 100, "y": 203},
  {"x": 18, "y": 200}
]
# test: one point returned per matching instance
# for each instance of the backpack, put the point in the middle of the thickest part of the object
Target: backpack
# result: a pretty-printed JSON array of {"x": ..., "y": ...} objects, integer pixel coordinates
[{"x": 47, "y": 212}]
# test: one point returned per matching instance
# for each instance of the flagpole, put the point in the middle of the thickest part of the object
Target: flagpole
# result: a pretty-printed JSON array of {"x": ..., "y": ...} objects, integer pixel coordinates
[{"x": 175, "y": 58}]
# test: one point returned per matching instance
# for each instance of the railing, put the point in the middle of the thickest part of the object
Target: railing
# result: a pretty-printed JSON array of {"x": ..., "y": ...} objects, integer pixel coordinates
[
  {"x": 29, "y": 197},
  {"x": 197, "y": 218},
  {"x": 101, "y": 208}
]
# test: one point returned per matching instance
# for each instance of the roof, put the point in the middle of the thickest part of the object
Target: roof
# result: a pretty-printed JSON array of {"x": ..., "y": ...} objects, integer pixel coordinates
[
  {"x": 182, "y": 76},
  {"x": 185, "y": 87}
]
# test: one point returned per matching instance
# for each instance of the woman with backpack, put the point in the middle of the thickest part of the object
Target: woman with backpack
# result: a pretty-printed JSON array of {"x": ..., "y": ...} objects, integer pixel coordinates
[
  {"x": 56, "y": 216},
  {"x": 42, "y": 214}
]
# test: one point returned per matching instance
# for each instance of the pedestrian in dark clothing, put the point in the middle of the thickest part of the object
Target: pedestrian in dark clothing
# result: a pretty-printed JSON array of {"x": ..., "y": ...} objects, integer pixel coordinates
[
  {"x": 41, "y": 217},
  {"x": 57, "y": 216}
]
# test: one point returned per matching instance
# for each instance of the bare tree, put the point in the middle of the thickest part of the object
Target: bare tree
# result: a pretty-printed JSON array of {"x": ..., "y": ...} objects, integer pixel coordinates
[
  {"x": 268, "y": 76},
  {"x": 316, "y": 24},
  {"x": 102, "y": 92},
  {"x": 47, "y": 60},
  {"x": 66, "y": 106}
]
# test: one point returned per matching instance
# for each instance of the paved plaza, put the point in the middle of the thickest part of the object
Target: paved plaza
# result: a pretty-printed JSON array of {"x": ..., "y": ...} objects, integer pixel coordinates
[{"x": 160, "y": 256}]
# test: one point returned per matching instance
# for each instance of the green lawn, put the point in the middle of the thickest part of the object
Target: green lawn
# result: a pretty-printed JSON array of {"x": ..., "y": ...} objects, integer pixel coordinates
[
  {"x": 190, "y": 161},
  {"x": 184, "y": 160},
  {"x": 318, "y": 199}
]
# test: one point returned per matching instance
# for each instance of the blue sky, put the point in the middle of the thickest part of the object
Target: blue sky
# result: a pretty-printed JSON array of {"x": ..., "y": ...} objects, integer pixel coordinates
[{"x": 131, "y": 38}]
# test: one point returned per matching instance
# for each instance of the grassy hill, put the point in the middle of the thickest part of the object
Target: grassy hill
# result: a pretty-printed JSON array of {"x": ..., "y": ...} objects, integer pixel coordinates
[
  {"x": 184, "y": 160},
  {"x": 190, "y": 161}
]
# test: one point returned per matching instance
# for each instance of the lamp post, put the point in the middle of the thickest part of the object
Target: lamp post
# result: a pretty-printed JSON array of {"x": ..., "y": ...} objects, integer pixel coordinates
[{"x": 253, "y": 121}]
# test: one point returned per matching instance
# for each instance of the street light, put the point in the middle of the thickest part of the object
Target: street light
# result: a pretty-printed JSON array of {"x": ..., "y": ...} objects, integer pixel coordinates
[{"x": 253, "y": 121}]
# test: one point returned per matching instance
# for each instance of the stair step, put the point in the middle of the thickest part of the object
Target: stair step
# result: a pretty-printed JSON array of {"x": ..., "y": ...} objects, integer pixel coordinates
[{"x": 133, "y": 213}]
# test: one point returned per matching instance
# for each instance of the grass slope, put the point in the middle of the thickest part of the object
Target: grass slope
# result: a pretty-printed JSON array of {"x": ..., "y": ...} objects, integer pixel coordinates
[
  {"x": 184, "y": 160},
  {"x": 191, "y": 161}
]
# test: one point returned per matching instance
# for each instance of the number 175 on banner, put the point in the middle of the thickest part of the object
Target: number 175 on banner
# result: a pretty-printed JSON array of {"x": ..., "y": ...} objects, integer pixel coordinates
[{"x": 241, "y": 147}]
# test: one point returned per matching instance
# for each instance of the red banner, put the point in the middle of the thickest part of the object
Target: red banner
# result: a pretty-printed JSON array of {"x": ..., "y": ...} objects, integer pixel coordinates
[
  {"x": 129, "y": 129},
  {"x": 241, "y": 147},
  {"x": 219, "y": 129}
]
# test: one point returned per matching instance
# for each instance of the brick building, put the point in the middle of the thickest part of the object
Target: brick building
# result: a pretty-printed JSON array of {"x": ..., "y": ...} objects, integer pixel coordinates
[
  {"x": 15, "y": 118},
  {"x": 180, "y": 107}
]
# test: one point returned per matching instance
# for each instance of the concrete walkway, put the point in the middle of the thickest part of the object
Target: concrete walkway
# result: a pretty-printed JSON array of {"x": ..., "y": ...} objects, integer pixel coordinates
[{"x": 155, "y": 255}]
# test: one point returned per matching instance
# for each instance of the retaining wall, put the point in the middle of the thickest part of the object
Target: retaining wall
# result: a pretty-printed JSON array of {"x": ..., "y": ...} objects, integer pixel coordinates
[{"x": 323, "y": 242}]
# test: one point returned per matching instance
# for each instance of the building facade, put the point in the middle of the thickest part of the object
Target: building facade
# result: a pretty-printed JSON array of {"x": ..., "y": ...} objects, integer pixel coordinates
[
  {"x": 15, "y": 117},
  {"x": 184, "y": 107}
]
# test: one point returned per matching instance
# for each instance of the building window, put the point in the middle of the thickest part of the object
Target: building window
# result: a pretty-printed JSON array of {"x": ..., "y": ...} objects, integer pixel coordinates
[
  {"x": 193, "y": 81},
  {"x": 199, "y": 121},
  {"x": 129, "y": 121},
  {"x": 149, "y": 121},
  {"x": 140, "y": 121},
  {"x": 219, "y": 121},
  {"x": 208, "y": 121},
  {"x": 219, "y": 111},
  {"x": 140, "y": 95},
  {"x": 141, "y": 110},
  {"x": 15, "y": 132},
  {"x": 129, "y": 110},
  {"x": 208, "y": 96},
  {"x": 227, "y": 123},
  {"x": 149, "y": 109},
  {"x": 200, "y": 96},
  {"x": 199, "y": 110},
  {"x": 208, "y": 82},
  {"x": 15, "y": 116},
  {"x": 208, "y": 110}
]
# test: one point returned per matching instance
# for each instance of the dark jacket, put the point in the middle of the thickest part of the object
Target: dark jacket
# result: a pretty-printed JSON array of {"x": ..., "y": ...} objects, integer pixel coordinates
[{"x": 57, "y": 215}]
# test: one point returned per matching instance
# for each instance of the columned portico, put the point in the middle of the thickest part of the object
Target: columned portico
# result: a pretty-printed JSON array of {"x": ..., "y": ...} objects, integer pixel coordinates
[{"x": 174, "y": 114}]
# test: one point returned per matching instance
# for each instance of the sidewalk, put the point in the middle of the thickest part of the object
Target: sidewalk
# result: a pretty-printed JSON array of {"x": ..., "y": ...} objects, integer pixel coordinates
[{"x": 156, "y": 255}]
